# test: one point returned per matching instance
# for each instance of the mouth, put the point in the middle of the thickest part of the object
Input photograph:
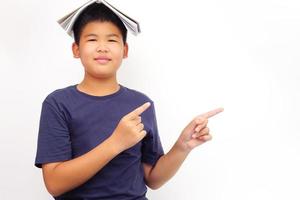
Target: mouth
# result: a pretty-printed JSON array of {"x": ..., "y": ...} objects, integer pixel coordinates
[{"x": 102, "y": 60}]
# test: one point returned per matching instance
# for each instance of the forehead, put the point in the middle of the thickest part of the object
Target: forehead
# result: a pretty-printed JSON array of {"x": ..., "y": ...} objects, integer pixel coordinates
[{"x": 100, "y": 29}]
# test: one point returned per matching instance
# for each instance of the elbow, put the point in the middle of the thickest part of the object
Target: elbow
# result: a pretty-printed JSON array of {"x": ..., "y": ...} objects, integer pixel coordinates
[
  {"x": 53, "y": 189},
  {"x": 53, "y": 185},
  {"x": 53, "y": 193},
  {"x": 154, "y": 186},
  {"x": 153, "y": 182}
]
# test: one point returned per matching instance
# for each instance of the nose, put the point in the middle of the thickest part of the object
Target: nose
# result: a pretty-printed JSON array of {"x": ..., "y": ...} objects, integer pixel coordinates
[{"x": 102, "y": 48}]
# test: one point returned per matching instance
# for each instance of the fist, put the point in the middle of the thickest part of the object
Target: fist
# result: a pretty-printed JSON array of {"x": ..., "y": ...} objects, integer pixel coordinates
[{"x": 130, "y": 129}]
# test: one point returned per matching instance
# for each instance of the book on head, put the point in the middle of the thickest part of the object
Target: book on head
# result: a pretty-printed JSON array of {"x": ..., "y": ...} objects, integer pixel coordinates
[{"x": 68, "y": 21}]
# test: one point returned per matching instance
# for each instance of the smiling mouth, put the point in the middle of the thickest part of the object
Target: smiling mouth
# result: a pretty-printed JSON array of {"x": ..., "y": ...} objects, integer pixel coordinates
[{"x": 102, "y": 60}]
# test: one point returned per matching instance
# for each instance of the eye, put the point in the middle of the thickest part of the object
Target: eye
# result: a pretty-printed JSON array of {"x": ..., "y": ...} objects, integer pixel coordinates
[
  {"x": 92, "y": 40},
  {"x": 112, "y": 40}
]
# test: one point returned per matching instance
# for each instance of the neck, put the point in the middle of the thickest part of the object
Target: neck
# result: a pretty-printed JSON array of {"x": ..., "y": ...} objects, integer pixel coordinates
[{"x": 98, "y": 86}]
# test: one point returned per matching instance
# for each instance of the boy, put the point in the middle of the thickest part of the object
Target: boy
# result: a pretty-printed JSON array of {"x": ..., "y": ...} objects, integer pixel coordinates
[{"x": 98, "y": 139}]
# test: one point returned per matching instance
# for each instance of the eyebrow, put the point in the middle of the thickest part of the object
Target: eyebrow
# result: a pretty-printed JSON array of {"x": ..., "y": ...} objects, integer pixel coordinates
[
  {"x": 113, "y": 35},
  {"x": 95, "y": 35}
]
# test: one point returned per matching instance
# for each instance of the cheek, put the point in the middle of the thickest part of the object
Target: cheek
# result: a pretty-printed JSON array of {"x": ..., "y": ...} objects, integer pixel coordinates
[
  {"x": 117, "y": 50},
  {"x": 117, "y": 54},
  {"x": 89, "y": 50}
]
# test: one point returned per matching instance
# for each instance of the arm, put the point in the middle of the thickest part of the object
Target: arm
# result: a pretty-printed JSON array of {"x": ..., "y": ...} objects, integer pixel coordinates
[
  {"x": 61, "y": 177},
  {"x": 194, "y": 134},
  {"x": 165, "y": 168}
]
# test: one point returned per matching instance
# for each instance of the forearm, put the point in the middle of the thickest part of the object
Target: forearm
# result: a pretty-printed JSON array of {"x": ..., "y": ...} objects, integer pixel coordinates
[
  {"x": 167, "y": 166},
  {"x": 70, "y": 174},
  {"x": 193, "y": 135}
]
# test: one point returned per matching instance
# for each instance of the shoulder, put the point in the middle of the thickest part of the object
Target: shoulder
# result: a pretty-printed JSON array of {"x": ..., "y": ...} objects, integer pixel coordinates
[
  {"x": 59, "y": 95},
  {"x": 138, "y": 98},
  {"x": 138, "y": 95}
]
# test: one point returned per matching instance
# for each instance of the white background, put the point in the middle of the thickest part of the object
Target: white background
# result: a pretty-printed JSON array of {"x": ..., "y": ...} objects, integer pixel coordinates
[{"x": 191, "y": 57}]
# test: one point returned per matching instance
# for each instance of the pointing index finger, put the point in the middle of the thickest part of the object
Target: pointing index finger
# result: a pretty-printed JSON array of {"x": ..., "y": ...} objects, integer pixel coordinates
[
  {"x": 138, "y": 111},
  {"x": 212, "y": 112}
]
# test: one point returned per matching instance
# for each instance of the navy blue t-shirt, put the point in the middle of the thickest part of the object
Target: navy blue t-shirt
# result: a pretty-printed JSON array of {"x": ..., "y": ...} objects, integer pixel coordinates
[{"x": 73, "y": 123}]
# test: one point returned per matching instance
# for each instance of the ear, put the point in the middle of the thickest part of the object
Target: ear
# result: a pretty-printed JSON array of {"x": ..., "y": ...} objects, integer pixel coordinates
[
  {"x": 75, "y": 49},
  {"x": 125, "y": 53}
]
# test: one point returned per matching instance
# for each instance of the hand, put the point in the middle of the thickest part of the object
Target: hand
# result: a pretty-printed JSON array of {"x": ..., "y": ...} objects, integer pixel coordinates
[
  {"x": 196, "y": 132},
  {"x": 130, "y": 129}
]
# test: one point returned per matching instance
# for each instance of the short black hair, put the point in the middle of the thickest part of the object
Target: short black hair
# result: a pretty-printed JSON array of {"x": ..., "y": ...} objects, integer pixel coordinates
[{"x": 97, "y": 12}]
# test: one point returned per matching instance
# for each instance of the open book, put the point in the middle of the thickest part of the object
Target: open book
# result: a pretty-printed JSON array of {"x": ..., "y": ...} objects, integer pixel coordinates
[{"x": 68, "y": 21}]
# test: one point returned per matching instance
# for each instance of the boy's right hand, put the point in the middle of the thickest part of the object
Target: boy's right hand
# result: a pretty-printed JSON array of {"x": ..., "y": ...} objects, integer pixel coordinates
[{"x": 130, "y": 129}]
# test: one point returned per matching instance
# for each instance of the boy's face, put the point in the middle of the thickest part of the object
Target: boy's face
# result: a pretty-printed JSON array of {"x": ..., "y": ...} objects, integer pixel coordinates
[{"x": 101, "y": 49}]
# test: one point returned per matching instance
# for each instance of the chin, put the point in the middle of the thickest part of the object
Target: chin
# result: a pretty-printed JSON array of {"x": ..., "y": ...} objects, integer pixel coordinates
[{"x": 102, "y": 75}]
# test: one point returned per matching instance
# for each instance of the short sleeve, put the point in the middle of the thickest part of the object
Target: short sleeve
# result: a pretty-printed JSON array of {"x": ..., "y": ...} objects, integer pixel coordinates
[
  {"x": 54, "y": 143},
  {"x": 152, "y": 148}
]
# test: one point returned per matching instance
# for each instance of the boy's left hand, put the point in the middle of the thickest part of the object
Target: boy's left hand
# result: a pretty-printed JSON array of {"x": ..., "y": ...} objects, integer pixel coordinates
[{"x": 196, "y": 132}]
